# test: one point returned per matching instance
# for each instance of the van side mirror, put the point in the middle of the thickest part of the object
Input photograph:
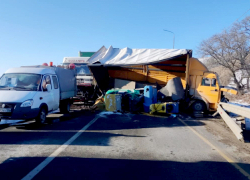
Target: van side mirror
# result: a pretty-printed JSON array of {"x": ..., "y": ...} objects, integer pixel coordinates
[{"x": 48, "y": 87}]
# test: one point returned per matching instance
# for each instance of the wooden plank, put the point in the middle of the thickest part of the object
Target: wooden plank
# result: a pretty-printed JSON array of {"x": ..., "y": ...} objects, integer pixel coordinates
[
  {"x": 167, "y": 68},
  {"x": 173, "y": 65},
  {"x": 187, "y": 69},
  {"x": 230, "y": 123},
  {"x": 173, "y": 62},
  {"x": 187, "y": 74}
]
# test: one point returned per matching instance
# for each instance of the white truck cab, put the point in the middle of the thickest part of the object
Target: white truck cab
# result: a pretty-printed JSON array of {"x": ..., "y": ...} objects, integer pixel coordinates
[
  {"x": 32, "y": 92},
  {"x": 84, "y": 77},
  {"x": 86, "y": 88}
]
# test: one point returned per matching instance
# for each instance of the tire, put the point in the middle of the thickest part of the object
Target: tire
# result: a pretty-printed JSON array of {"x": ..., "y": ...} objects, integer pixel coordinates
[
  {"x": 199, "y": 106},
  {"x": 65, "y": 107},
  {"x": 41, "y": 118}
]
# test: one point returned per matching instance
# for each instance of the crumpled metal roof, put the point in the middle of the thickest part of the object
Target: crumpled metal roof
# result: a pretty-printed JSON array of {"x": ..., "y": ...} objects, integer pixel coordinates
[{"x": 126, "y": 56}]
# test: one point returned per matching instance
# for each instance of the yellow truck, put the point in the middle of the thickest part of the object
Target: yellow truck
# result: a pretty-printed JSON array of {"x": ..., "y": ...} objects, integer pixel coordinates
[{"x": 150, "y": 66}]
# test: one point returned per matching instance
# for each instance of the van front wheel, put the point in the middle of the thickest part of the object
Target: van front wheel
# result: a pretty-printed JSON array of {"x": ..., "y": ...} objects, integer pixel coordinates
[{"x": 41, "y": 118}]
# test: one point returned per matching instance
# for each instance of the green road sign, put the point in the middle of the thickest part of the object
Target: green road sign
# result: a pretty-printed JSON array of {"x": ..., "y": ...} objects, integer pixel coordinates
[{"x": 85, "y": 54}]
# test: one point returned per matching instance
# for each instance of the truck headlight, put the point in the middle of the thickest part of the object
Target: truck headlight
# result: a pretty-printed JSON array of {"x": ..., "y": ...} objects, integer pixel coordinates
[{"x": 27, "y": 103}]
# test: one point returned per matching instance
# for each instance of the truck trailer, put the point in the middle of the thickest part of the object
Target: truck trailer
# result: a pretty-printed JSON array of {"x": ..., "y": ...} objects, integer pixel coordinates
[
  {"x": 31, "y": 92},
  {"x": 150, "y": 66}
]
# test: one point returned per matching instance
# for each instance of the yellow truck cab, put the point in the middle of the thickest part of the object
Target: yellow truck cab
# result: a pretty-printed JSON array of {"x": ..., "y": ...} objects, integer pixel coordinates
[
  {"x": 204, "y": 86},
  {"x": 209, "y": 89}
]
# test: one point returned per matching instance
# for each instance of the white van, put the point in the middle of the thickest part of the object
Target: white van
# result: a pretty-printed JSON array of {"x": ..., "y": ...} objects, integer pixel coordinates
[{"x": 34, "y": 91}]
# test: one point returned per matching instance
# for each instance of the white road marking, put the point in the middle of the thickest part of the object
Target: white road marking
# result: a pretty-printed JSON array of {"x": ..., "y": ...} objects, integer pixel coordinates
[
  {"x": 5, "y": 121},
  {"x": 51, "y": 131},
  {"x": 43, "y": 164}
]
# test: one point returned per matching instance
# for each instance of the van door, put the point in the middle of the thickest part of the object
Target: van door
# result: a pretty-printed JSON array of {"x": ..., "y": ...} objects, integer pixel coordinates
[
  {"x": 209, "y": 89},
  {"x": 56, "y": 92},
  {"x": 47, "y": 96}
]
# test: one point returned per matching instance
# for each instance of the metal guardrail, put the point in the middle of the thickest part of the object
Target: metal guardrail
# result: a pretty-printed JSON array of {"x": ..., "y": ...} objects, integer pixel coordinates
[
  {"x": 230, "y": 122},
  {"x": 242, "y": 111}
]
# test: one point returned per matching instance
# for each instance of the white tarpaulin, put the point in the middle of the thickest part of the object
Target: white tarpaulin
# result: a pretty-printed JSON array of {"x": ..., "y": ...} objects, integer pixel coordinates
[{"x": 127, "y": 56}]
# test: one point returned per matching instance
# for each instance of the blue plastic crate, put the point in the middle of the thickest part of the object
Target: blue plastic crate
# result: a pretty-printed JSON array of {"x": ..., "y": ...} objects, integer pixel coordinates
[
  {"x": 146, "y": 107},
  {"x": 150, "y": 95}
]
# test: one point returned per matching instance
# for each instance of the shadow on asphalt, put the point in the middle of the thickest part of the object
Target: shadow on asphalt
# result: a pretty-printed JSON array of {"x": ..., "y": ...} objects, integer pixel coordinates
[
  {"x": 109, "y": 121},
  {"x": 58, "y": 138},
  {"x": 30, "y": 124},
  {"x": 138, "y": 121},
  {"x": 51, "y": 121},
  {"x": 29, "y": 133},
  {"x": 3, "y": 126},
  {"x": 93, "y": 168},
  {"x": 59, "y": 133}
]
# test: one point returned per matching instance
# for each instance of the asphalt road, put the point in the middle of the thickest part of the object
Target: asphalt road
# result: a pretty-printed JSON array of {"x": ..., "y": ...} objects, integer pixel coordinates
[{"x": 88, "y": 145}]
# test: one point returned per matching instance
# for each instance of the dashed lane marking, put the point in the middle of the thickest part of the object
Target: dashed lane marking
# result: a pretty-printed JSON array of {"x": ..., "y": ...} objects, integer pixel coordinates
[{"x": 43, "y": 164}]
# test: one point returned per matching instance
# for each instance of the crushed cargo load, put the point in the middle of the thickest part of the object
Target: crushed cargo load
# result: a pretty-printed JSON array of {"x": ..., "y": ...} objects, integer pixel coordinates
[
  {"x": 123, "y": 100},
  {"x": 174, "y": 89},
  {"x": 184, "y": 78}
]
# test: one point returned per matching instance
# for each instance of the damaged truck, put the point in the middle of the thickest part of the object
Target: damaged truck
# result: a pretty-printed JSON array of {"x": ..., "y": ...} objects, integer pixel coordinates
[{"x": 201, "y": 87}]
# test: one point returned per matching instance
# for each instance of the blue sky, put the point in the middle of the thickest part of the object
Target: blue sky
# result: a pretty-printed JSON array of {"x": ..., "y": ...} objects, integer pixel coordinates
[{"x": 36, "y": 31}]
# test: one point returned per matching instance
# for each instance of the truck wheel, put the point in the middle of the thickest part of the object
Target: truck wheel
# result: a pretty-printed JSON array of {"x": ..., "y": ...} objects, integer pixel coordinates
[
  {"x": 65, "y": 107},
  {"x": 41, "y": 118},
  {"x": 199, "y": 106}
]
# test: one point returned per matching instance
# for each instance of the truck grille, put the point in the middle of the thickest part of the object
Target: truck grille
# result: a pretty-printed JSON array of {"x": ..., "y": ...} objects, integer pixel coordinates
[
  {"x": 7, "y": 105},
  {"x": 84, "y": 82}
]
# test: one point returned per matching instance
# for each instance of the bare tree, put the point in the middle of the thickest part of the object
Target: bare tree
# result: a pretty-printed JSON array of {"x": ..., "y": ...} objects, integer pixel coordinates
[
  {"x": 231, "y": 50},
  {"x": 242, "y": 27},
  {"x": 224, "y": 75},
  {"x": 241, "y": 32},
  {"x": 219, "y": 48}
]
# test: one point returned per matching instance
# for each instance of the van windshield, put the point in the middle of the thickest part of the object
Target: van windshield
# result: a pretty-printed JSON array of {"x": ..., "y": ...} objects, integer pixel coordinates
[
  {"x": 83, "y": 70},
  {"x": 20, "y": 82}
]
